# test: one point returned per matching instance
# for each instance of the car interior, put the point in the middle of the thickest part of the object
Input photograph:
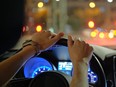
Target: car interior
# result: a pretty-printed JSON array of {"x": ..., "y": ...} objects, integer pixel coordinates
[{"x": 53, "y": 67}]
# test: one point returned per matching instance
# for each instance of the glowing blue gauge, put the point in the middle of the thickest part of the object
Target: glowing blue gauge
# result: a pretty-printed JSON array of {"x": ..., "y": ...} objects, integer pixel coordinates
[
  {"x": 35, "y": 66},
  {"x": 40, "y": 70},
  {"x": 92, "y": 77}
]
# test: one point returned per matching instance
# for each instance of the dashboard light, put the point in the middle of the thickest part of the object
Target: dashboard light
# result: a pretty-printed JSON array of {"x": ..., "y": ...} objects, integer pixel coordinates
[{"x": 35, "y": 66}]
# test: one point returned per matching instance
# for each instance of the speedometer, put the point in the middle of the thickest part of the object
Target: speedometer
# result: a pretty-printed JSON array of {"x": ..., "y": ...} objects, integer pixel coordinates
[
  {"x": 35, "y": 66},
  {"x": 40, "y": 70}
]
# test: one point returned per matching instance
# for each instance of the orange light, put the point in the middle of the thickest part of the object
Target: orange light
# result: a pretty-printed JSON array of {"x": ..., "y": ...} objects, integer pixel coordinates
[
  {"x": 91, "y": 24},
  {"x": 93, "y": 34},
  {"x": 39, "y": 28},
  {"x": 101, "y": 35}
]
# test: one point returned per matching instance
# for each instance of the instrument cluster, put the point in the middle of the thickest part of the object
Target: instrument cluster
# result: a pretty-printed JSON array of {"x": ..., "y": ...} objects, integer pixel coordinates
[{"x": 37, "y": 65}]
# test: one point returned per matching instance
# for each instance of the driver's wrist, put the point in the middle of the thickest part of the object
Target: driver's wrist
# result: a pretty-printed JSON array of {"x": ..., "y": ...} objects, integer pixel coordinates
[
  {"x": 80, "y": 68},
  {"x": 33, "y": 44}
]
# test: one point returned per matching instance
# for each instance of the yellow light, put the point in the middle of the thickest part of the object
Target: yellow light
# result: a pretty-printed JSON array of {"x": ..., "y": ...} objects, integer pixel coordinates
[
  {"x": 39, "y": 28},
  {"x": 92, "y": 5},
  {"x": 40, "y": 4},
  {"x": 114, "y": 32},
  {"x": 93, "y": 34},
  {"x": 111, "y": 35},
  {"x": 91, "y": 24},
  {"x": 101, "y": 35}
]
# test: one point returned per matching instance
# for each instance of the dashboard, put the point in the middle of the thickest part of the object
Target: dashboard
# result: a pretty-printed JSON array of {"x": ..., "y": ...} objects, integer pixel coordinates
[{"x": 56, "y": 60}]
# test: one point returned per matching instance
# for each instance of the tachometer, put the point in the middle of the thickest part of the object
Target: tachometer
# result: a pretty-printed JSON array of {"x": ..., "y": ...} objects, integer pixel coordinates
[{"x": 92, "y": 77}]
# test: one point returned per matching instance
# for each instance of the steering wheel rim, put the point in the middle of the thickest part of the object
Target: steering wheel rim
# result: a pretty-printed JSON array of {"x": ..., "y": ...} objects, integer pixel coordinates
[
  {"x": 103, "y": 82},
  {"x": 50, "y": 79},
  {"x": 63, "y": 42}
]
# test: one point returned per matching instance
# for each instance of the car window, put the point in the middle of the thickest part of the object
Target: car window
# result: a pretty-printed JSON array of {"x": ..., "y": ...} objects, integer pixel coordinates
[{"x": 93, "y": 21}]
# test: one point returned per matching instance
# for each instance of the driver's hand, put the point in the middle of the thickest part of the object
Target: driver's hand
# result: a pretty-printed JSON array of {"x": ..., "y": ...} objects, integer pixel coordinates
[
  {"x": 45, "y": 39},
  {"x": 78, "y": 50}
]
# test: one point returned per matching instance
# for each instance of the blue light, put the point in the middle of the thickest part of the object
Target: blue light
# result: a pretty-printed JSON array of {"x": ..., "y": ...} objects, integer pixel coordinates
[
  {"x": 92, "y": 77},
  {"x": 46, "y": 1},
  {"x": 40, "y": 70},
  {"x": 35, "y": 66}
]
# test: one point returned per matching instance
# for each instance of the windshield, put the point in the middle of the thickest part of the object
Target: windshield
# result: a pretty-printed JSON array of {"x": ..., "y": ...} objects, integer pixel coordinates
[{"x": 93, "y": 21}]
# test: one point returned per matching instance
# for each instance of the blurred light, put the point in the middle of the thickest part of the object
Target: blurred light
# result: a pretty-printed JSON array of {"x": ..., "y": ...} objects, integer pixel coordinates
[
  {"x": 101, "y": 35},
  {"x": 111, "y": 35},
  {"x": 114, "y": 32},
  {"x": 110, "y": 1},
  {"x": 36, "y": 65},
  {"x": 100, "y": 29},
  {"x": 91, "y": 24},
  {"x": 102, "y": 9},
  {"x": 40, "y": 4},
  {"x": 39, "y": 28},
  {"x": 115, "y": 23},
  {"x": 57, "y": 0},
  {"x": 92, "y": 5},
  {"x": 96, "y": 31},
  {"x": 52, "y": 30},
  {"x": 46, "y": 1},
  {"x": 24, "y": 28},
  {"x": 93, "y": 34}
]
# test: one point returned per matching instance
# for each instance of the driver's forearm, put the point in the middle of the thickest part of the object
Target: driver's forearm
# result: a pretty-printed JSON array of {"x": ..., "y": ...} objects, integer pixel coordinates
[
  {"x": 10, "y": 66},
  {"x": 80, "y": 76}
]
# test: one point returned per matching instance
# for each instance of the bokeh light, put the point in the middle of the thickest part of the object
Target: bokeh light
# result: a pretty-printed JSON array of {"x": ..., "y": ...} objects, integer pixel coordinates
[
  {"x": 101, "y": 35},
  {"x": 92, "y": 5},
  {"x": 110, "y": 1},
  {"x": 40, "y": 4},
  {"x": 111, "y": 35},
  {"x": 91, "y": 24},
  {"x": 39, "y": 28}
]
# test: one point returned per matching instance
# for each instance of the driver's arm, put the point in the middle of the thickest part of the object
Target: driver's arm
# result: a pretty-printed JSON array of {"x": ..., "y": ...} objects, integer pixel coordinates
[
  {"x": 10, "y": 66},
  {"x": 80, "y": 54}
]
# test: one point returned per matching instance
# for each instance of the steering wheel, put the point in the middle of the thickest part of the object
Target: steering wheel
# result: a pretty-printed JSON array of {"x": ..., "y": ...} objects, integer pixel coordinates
[{"x": 56, "y": 79}]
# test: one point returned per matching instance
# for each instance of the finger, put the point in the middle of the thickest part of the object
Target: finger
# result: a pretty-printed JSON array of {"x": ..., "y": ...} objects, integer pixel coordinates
[
  {"x": 90, "y": 50},
  {"x": 43, "y": 31},
  {"x": 77, "y": 42},
  {"x": 48, "y": 33},
  {"x": 53, "y": 35},
  {"x": 56, "y": 38},
  {"x": 70, "y": 41}
]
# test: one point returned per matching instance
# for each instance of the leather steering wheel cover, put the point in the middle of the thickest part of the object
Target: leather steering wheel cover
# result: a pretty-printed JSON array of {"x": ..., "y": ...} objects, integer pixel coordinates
[{"x": 49, "y": 79}]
